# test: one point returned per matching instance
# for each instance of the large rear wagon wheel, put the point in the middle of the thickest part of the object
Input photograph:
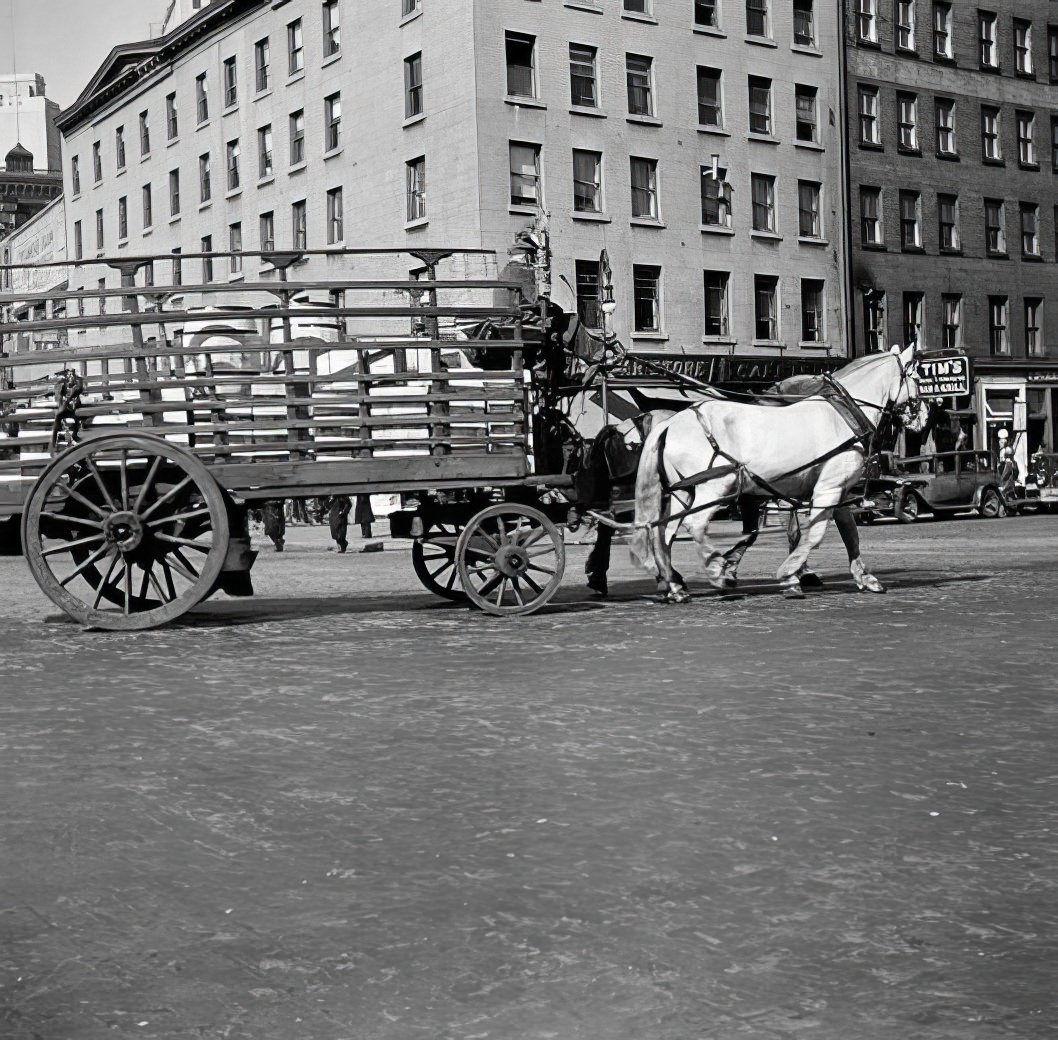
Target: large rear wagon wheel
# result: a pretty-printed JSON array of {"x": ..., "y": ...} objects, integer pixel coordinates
[
  {"x": 434, "y": 559},
  {"x": 510, "y": 559},
  {"x": 126, "y": 532}
]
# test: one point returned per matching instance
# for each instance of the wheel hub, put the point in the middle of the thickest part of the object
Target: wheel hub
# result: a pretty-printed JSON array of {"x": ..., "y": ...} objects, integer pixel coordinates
[
  {"x": 511, "y": 561},
  {"x": 124, "y": 530}
]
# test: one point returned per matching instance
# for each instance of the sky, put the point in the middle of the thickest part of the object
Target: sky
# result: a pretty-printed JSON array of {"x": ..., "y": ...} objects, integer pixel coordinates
[{"x": 67, "y": 40}]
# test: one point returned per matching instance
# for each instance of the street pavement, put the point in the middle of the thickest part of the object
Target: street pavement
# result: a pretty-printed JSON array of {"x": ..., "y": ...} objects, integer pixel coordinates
[{"x": 345, "y": 810}]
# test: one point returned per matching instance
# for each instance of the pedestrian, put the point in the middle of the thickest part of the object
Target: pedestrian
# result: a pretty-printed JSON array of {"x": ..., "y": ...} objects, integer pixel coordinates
[
  {"x": 364, "y": 515},
  {"x": 299, "y": 513},
  {"x": 1008, "y": 476},
  {"x": 275, "y": 522},
  {"x": 338, "y": 507}
]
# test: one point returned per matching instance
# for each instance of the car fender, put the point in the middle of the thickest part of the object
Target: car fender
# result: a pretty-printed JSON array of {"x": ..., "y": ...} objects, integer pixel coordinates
[{"x": 980, "y": 492}]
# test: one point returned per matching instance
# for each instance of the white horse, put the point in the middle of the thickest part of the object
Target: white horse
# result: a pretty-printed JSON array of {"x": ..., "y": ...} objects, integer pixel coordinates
[{"x": 705, "y": 457}]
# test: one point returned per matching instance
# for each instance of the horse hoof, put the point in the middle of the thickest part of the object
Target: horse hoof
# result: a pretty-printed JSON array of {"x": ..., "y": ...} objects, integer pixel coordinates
[
  {"x": 811, "y": 580},
  {"x": 869, "y": 583},
  {"x": 793, "y": 592},
  {"x": 678, "y": 596}
]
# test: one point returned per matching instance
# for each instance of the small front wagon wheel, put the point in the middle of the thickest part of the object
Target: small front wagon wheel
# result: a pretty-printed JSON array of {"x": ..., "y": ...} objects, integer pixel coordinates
[
  {"x": 434, "y": 559},
  {"x": 510, "y": 559},
  {"x": 125, "y": 532}
]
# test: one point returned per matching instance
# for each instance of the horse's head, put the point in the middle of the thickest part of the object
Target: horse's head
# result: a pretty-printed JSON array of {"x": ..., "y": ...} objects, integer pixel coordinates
[{"x": 909, "y": 409}]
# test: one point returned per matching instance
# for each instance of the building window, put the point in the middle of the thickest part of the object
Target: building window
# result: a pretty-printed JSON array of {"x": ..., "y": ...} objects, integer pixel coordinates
[
  {"x": 148, "y": 208},
  {"x": 995, "y": 227},
  {"x": 806, "y": 113},
  {"x": 948, "y": 223},
  {"x": 716, "y": 198},
  {"x": 145, "y": 134},
  {"x": 913, "y": 319},
  {"x": 812, "y": 311},
  {"x": 991, "y": 143},
  {"x": 986, "y": 38},
  {"x": 231, "y": 87},
  {"x": 102, "y": 288},
  {"x": 1034, "y": 326},
  {"x": 646, "y": 290},
  {"x": 951, "y": 321},
  {"x": 75, "y": 175},
  {"x": 265, "y": 166},
  {"x": 706, "y": 13},
  {"x": 415, "y": 181},
  {"x": 335, "y": 218},
  {"x": 123, "y": 218},
  {"x": 1052, "y": 52},
  {"x": 1030, "y": 229},
  {"x": 268, "y": 232},
  {"x": 1026, "y": 145},
  {"x": 907, "y": 121},
  {"x": 766, "y": 308},
  {"x": 637, "y": 6},
  {"x": 867, "y": 20},
  {"x": 172, "y": 126},
  {"x": 583, "y": 89},
  {"x": 874, "y": 334},
  {"x": 178, "y": 267},
  {"x": 525, "y": 174},
  {"x": 332, "y": 122},
  {"x": 235, "y": 248},
  {"x": 261, "y": 64},
  {"x": 97, "y": 162},
  {"x": 295, "y": 48},
  {"x": 759, "y": 105},
  {"x": 762, "y": 189},
  {"x": 804, "y": 26},
  {"x": 868, "y": 108},
  {"x": 297, "y": 137},
  {"x": 945, "y": 120},
  {"x": 717, "y": 314},
  {"x": 644, "y": 179},
  {"x": 905, "y": 25},
  {"x": 757, "y": 18},
  {"x": 587, "y": 181},
  {"x": 710, "y": 98},
  {"x": 942, "y": 47},
  {"x": 174, "y": 193},
  {"x": 809, "y": 210},
  {"x": 910, "y": 220},
  {"x": 588, "y": 309},
  {"x": 639, "y": 75},
  {"x": 299, "y": 224},
  {"x": 871, "y": 216},
  {"x": 205, "y": 191},
  {"x": 1023, "y": 47},
  {"x": 409, "y": 7},
  {"x": 998, "y": 339},
  {"x": 201, "y": 98},
  {"x": 332, "y": 28},
  {"x": 78, "y": 241},
  {"x": 521, "y": 53},
  {"x": 413, "y": 99},
  {"x": 233, "y": 165},
  {"x": 206, "y": 246},
  {"x": 1054, "y": 143}
]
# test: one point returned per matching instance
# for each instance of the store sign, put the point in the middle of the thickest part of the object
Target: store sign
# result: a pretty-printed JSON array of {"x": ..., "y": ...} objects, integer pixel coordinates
[
  {"x": 944, "y": 376},
  {"x": 722, "y": 369}
]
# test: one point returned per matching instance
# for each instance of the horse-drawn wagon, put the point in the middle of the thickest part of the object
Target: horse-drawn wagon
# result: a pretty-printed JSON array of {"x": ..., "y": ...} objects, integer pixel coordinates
[{"x": 134, "y": 445}]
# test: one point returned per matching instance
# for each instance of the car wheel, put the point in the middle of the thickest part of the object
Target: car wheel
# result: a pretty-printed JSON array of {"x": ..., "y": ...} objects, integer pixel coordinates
[
  {"x": 905, "y": 508},
  {"x": 991, "y": 505}
]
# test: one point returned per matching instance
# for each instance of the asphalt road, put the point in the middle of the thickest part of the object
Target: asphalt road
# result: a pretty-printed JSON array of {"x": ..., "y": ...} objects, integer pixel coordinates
[{"x": 347, "y": 811}]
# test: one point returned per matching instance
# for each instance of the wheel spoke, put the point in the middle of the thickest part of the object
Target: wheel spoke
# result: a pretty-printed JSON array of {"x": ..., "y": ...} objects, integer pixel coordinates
[
  {"x": 169, "y": 583},
  {"x": 145, "y": 584},
  {"x": 532, "y": 584},
  {"x": 124, "y": 463},
  {"x": 173, "y": 491},
  {"x": 189, "y": 571},
  {"x": 78, "y": 497},
  {"x": 147, "y": 482},
  {"x": 176, "y": 517},
  {"x": 517, "y": 592},
  {"x": 488, "y": 565},
  {"x": 542, "y": 570},
  {"x": 485, "y": 589},
  {"x": 105, "y": 582},
  {"x": 98, "y": 477},
  {"x": 85, "y": 564},
  {"x": 542, "y": 551},
  {"x": 204, "y": 547},
  {"x": 440, "y": 570},
  {"x": 537, "y": 534},
  {"x": 68, "y": 546},
  {"x": 73, "y": 521},
  {"x": 156, "y": 585},
  {"x": 502, "y": 592},
  {"x": 127, "y": 605}
]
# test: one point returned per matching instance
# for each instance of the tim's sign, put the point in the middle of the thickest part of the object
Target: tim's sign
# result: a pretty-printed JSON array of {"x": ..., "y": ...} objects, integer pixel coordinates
[{"x": 944, "y": 376}]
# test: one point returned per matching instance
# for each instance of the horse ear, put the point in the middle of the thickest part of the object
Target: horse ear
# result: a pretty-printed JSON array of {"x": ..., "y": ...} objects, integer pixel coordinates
[
  {"x": 908, "y": 355},
  {"x": 895, "y": 348}
]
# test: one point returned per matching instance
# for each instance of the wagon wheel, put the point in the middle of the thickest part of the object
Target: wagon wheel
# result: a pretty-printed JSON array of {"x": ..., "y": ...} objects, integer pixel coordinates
[
  {"x": 991, "y": 506},
  {"x": 130, "y": 521},
  {"x": 905, "y": 508},
  {"x": 434, "y": 558},
  {"x": 510, "y": 559}
]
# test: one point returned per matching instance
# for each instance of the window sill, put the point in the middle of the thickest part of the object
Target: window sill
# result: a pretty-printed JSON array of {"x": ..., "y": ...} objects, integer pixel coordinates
[
  {"x": 174, "y": 220},
  {"x": 812, "y": 344},
  {"x": 229, "y": 110},
  {"x": 98, "y": 183},
  {"x": 413, "y": 120},
  {"x": 653, "y": 337},
  {"x": 801, "y": 48},
  {"x": 233, "y": 193},
  {"x": 75, "y": 197},
  {"x": 583, "y": 110},
  {"x": 295, "y": 77},
  {"x": 767, "y": 343},
  {"x": 588, "y": 215},
  {"x": 298, "y": 167},
  {"x": 237, "y": 276},
  {"x": 172, "y": 140},
  {"x": 716, "y": 131},
  {"x": 644, "y": 120},
  {"x": 710, "y": 30},
  {"x": 1030, "y": 76},
  {"x": 761, "y": 41},
  {"x": 409, "y": 18},
  {"x": 944, "y": 59},
  {"x": 716, "y": 229},
  {"x": 950, "y": 252},
  {"x": 261, "y": 95},
  {"x": 948, "y": 157},
  {"x": 810, "y": 146},
  {"x": 874, "y": 247},
  {"x": 412, "y": 225},
  {"x": 583, "y": 5},
  {"x": 145, "y": 157},
  {"x": 269, "y": 178},
  {"x": 119, "y": 172},
  {"x": 649, "y": 222},
  {"x": 873, "y": 45},
  {"x": 768, "y": 236},
  {"x": 914, "y": 153},
  {"x": 763, "y": 139},
  {"x": 912, "y": 249},
  {"x": 1035, "y": 167},
  {"x": 530, "y": 211},
  {"x": 991, "y": 69},
  {"x": 820, "y": 243},
  {"x": 332, "y": 154},
  {"x": 523, "y": 102},
  {"x": 205, "y": 205},
  {"x": 905, "y": 52},
  {"x": 719, "y": 341},
  {"x": 122, "y": 242},
  {"x": 202, "y": 125},
  {"x": 1032, "y": 258},
  {"x": 997, "y": 256},
  {"x": 331, "y": 59},
  {"x": 148, "y": 231},
  {"x": 871, "y": 146},
  {"x": 637, "y": 16}
]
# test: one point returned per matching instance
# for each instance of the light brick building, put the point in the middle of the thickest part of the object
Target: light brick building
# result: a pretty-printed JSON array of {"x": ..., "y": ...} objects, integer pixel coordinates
[
  {"x": 434, "y": 123},
  {"x": 953, "y": 131}
]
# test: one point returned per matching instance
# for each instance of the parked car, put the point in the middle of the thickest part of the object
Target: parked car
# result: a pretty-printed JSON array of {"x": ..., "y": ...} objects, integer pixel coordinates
[{"x": 942, "y": 484}]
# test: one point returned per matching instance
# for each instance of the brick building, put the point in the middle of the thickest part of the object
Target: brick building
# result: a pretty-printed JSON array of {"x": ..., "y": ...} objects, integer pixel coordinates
[
  {"x": 953, "y": 151},
  {"x": 427, "y": 123}
]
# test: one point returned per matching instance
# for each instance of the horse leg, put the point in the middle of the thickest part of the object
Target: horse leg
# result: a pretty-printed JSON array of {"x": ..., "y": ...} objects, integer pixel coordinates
[
  {"x": 807, "y": 577},
  {"x": 845, "y": 522},
  {"x": 598, "y": 562},
  {"x": 816, "y": 529},
  {"x": 750, "y": 509},
  {"x": 709, "y": 499}
]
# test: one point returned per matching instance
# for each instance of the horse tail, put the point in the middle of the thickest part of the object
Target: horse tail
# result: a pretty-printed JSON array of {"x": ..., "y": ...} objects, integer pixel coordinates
[{"x": 649, "y": 496}]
